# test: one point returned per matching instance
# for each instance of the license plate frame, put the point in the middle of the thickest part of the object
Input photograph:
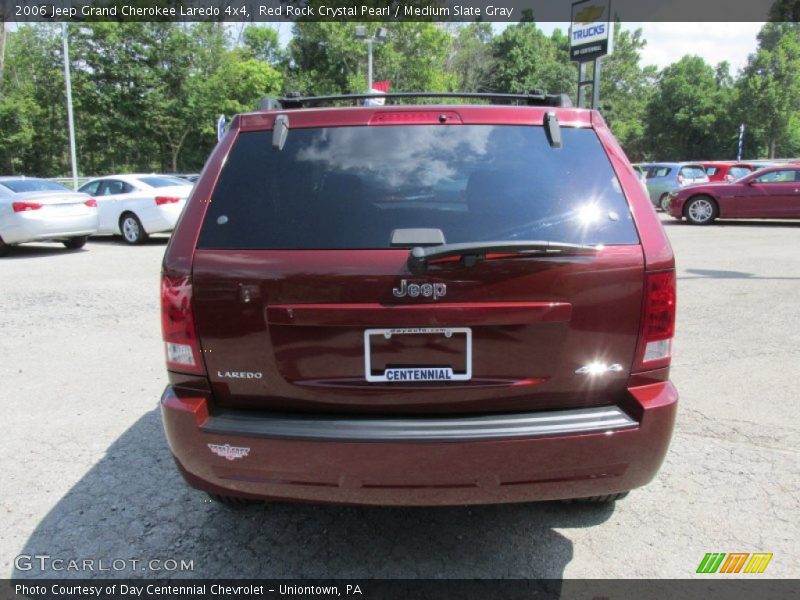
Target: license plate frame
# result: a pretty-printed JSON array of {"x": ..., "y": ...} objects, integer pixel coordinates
[{"x": 424, "y": 371}]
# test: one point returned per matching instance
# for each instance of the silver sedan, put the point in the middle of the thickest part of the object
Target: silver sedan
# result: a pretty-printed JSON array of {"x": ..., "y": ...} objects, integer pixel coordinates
[{"x": 36, "y": 210}]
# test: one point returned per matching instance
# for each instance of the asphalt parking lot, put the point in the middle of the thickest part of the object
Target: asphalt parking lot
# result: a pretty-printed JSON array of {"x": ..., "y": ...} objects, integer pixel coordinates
[{"x": 86, "y": 473}]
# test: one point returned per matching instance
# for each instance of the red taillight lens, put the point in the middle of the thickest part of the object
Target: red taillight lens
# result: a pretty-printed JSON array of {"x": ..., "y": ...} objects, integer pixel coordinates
[
  {"x": 658, "y": 322},
  {"x": 25, "y": 206},
  {"x": 91, "y": 202},
  {"x": 177, "y": 325},
  {"x": 161, "y": 200}
]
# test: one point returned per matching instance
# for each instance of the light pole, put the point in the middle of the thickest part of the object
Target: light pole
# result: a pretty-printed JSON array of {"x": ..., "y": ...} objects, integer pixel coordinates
[
  {"x": 70, "y": 119},
  {"x": 380, "y": 36}
]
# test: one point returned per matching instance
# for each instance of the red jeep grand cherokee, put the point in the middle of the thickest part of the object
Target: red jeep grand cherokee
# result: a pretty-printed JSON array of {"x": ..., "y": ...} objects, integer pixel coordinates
[{"x": 418, "y": 305}]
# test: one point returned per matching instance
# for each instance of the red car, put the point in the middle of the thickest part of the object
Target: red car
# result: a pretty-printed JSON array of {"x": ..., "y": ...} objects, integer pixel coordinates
[
  {"x": 727, "y": 170},
  {"x": 771, "y": 193},
  {"x": 418, "y": 305}
]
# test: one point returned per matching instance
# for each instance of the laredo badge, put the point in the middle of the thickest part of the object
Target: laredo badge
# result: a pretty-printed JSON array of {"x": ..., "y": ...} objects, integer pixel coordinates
[{"x": 229, "y": 452}]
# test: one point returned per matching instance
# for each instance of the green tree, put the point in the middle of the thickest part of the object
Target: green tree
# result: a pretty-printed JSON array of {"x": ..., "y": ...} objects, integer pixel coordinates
[
  {"x": 2, "y": 48},
  {"x": 683, "y": 114},
  {"x": 769, "y": 91},
  {"x": 262, "y": 44},
  {"x": 414, "y": 57},
  {"x": 324, "y": 57},
  {"x": 328, "y": 58},
  {"x": 527, "y": 60},
  {"x": 146, "y": 95},
  {"x": 116, "y": 78},
  {"x": 33, "y": 137},
  {"x": 471, "y": 61},
  {"x": 18, "y": 116},
  {"x": 625, "y": 89}
]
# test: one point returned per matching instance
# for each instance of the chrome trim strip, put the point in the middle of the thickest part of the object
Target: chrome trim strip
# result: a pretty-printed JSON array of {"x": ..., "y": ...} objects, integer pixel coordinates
[{"x": 421, "y": 429}]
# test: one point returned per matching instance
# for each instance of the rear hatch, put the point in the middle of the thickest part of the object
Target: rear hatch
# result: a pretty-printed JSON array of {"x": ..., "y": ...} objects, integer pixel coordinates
[
  {"x": 178, "y": 191},
  {"x": 302, "y": 301},
  {"x": 55, "y": 203},
  {"x": 692, "y": 174}
]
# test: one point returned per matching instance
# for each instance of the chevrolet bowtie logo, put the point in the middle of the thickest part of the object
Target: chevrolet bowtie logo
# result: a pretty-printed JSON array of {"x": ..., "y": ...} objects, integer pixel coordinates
[{"x": 590, "y": 14}]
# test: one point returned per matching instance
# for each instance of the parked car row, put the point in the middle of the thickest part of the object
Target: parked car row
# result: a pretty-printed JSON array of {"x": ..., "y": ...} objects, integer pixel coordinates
[
  {"x": 33, "y": 210},
  {"x": 768, "y": 193},
  {"x": 133, "y": 206},
  {"x": 663, "y": 178},
  {"x": 706, "y": 190}
]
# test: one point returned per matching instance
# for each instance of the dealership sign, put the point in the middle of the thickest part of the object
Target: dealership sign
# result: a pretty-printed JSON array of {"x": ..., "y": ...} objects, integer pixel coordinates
[{"x": 590, "y": 34}]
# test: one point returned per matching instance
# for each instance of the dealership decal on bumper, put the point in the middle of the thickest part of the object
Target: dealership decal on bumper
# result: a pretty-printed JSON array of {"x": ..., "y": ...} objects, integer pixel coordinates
[{"x": 229, "y": 452}]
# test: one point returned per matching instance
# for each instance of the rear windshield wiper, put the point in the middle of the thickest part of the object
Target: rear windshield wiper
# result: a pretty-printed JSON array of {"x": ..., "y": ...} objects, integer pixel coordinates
[{"x": 472, "y": 252}]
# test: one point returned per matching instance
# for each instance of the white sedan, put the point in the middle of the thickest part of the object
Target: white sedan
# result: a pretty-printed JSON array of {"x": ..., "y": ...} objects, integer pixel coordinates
[
  {"x": 37, "y": 210},
  {"x": 138, "y": 205}
]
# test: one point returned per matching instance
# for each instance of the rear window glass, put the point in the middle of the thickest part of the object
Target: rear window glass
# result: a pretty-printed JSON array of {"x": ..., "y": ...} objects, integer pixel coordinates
[
  {"x": 158, "y": 182},
  {"x": 350, "y": 187},
  {"x": 712, "y": 170},
  {"x": 658, "y": 172},
  {"x": 693, "y": 172},
  {"x": 90, "y": 188},
  {"x": 779, "y": 176},
  {"x": 737, "y": 172},
  {"x": 20, "y": 186}
]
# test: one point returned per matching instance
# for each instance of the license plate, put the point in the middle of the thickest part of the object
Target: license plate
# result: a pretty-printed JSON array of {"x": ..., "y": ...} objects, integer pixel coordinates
[{"x": 402, "y": 367}]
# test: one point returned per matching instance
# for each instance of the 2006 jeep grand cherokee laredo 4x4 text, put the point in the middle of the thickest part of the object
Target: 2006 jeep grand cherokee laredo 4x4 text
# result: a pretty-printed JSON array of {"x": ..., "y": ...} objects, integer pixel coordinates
[{"x": 418, "y": 305}]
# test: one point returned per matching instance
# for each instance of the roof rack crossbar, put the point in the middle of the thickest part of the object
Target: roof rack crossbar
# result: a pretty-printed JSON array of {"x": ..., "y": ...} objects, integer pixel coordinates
[{"x": 555, "y": 100}]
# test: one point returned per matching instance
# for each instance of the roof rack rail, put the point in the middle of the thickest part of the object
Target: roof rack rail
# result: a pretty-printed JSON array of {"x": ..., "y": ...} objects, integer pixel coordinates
[{"x": 295, "y": 100}]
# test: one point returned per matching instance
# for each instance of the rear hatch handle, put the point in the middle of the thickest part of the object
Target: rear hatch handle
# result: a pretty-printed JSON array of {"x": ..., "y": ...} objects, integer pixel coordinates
[{"x": 471, "y": 252}]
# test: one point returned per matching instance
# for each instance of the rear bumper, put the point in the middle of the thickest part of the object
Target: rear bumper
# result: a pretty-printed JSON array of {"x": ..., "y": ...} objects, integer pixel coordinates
[
  {"x": 158, "y": 219},
  {"x": 422, "y": 461},
  {"x": 32, "y": 227},
  {"x": 676, "y": 208}
]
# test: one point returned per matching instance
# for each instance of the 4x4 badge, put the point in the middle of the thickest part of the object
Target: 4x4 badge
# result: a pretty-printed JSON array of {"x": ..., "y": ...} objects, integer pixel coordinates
[{"x": 427, "y": 290}]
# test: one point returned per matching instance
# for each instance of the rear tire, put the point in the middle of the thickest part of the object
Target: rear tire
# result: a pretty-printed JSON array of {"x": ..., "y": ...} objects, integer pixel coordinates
[
  {"x": 606, "y": 499},
  {"x": 3, "y": 247},
  {"x": 701, "y": 210},
  {"x": 76, "y": 242},
  {"x": 663, "y": 202},
  {"x": 132, "y": 231},
  {"x": 231, "y": 501}
]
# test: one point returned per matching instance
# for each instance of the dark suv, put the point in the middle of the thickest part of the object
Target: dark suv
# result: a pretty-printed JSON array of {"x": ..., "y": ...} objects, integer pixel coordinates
[{"x": 418, "y": 305}]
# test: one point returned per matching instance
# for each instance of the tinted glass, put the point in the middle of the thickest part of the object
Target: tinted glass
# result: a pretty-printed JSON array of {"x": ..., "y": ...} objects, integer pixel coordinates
[
  {"x": 658, "y": 172},
  {"x": 778, "y": 176},
  {"x": 350, "y": 187},
  {"x": 112, "y": 187},
  {"x": 737, "y": 172},
  {"x": 91, "y": 188},
  {"x": 693, "y": 172},
  {"x": 21, "y": 186},
  {"x": 162, "y": 181}
]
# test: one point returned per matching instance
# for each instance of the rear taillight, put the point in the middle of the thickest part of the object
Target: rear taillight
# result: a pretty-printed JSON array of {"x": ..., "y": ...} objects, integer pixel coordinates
[
  {"x": 91, "y": 202},
  {"x": 177, "y": 325},
  {"x": 162, "y": 200},
  {"x": 658, "y": 322},
  {"x": 25, "y": 206}
]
